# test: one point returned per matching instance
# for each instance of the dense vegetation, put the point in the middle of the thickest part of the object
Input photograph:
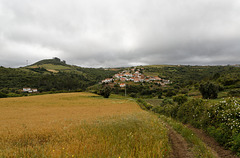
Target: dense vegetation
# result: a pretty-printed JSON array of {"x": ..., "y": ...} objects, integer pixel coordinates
[
  {"x": 72, "y": 78},
  {"x": 183, "y": 76},
  {"x": 209, "y": 82},
  {"x": 216, "y": 113},
  {"x": 220, "y": 119}
]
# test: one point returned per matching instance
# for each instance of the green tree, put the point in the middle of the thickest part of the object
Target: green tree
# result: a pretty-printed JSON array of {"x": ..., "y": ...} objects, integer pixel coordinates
[
  {"x": 106, "y": 91},
  {"x": 180, "y": 99},
  {"x": 209, "y": 90}
]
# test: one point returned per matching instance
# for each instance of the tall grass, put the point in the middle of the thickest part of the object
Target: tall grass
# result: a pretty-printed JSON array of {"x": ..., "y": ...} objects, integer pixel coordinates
[
  {"x": 107, "y": 131},
  {"x": 135, "y": 135}
]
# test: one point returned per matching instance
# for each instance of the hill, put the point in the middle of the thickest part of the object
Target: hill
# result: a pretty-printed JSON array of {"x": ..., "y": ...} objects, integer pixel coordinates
[
  {"x": 184, "y": 79},
  {"x": 51, "y": 75},
  {"x": 54, "y": 61}
]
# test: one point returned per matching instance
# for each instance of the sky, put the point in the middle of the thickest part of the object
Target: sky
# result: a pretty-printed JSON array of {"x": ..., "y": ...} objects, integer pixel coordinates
[{"x": 114, "y": 33}]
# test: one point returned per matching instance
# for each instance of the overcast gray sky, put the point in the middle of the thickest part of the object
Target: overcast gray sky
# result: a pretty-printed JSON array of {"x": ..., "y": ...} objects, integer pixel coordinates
[{"x": 110, "y": 33}]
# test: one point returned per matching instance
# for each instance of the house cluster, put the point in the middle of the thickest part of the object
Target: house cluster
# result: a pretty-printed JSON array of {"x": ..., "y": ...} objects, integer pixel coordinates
[
  {"x": 30, "y": 90},
  {"x": 134, "y": 75}
]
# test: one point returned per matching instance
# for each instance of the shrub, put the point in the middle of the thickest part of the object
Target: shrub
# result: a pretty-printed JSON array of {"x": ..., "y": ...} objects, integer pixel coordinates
[
  {"x": 180, "y": 99},
  {"x": 133, "y": 95},
  {"x": 159, "y": 95},
  {"x": 106, "y": 91},
  {"x": 3, "y": 95},
  {"x": 144, "y": 105},
  {"x": 236, "y": 143},
  {"x": 234, "y": 93},
  {"x": 209, "y": 90},
  {"x": 170, "y": 93}
]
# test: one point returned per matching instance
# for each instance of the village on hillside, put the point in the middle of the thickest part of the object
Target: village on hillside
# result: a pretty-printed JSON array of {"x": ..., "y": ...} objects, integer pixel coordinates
[{"x": 136, "y": 76}]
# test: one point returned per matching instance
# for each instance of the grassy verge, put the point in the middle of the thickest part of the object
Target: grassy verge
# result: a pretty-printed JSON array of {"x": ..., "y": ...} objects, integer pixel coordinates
[{"x": 199, "y": 149}]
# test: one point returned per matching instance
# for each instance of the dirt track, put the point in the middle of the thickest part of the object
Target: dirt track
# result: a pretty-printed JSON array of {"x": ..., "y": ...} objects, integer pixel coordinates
[
  {"x": 209, "y": 141},
  {"x": 180, "y": 148}
]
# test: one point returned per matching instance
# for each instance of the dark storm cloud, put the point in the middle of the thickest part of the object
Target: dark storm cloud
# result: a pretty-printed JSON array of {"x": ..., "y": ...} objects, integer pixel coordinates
[{"x": 111, "y": 33}]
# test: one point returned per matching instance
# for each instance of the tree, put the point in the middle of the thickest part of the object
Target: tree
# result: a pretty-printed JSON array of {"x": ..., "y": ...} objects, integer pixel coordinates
[
  {"x": 180, "y": 99},
  {"x": 106, "y": 91},
  {"x": 159, "y": 95},
  {"x": 209, "y": 90}
]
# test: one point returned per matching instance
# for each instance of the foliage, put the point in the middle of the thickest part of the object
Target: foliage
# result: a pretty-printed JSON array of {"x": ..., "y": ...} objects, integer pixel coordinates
[
  {"x": 144, "y": 105},
  {"x": 220, "y": 120},
  {"x": 54, "y": 61},
  {"x": 43, "y": 80},
  {"x": 3, "y": 95},
  {"x": 209, "y": 90},
  {"x": 170, "y": 92},
  {"x": 180, "y": 99},
  {"x": 106, "y": 91},
  {"x": 133, "y": 95},
  {"x": 159, "y": 95},
  {"x": 234, "y": 93}
]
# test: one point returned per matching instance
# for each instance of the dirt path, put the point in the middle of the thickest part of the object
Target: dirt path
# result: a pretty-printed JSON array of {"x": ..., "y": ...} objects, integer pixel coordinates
[
  {"x": 209, "y": 141},
  {"x": 180, "y": 148}
]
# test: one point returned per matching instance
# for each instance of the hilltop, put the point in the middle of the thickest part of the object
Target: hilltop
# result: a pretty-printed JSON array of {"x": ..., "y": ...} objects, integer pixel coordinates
[
  {"x": 54, "y": 61},
  {"x": 51, "y": 65}
]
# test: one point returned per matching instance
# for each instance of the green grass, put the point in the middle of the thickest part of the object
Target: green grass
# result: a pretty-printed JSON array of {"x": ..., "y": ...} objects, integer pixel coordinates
[{"x": 53, "y": 67}]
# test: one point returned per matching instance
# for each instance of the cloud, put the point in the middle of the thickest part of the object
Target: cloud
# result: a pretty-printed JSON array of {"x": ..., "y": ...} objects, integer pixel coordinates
[{"x": 120, "y": 33}]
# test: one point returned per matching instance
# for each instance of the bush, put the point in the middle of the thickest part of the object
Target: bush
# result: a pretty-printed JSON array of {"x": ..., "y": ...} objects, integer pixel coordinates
[
  {"x": 209, "y": 90},
  {"x": 106, "y": 91},
  {"x": 180, "y": 99},
  {"x": 236, "y": 143},
  {"x": 159, "y": 95},
  {"x": 14, "y": 95},
  {"x": 133, "y": 95},
  {"x": 3, "y": 95},
  {"x": 170, "y": 93},
  {"x": 144, "y": 105},
  {"x": 234, "y": 93},
  {"x": 220, "y": 120}
]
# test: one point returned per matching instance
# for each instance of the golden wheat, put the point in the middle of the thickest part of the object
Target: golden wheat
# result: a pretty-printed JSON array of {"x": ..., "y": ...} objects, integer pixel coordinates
[{"x": 78, "y": 125}]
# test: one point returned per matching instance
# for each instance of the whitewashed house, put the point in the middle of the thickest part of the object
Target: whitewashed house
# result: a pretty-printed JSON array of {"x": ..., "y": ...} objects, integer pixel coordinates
[
  {"x": 34, "y": 90},
  {"x": 122, "y": 85},
  {"x": 26, "y": 89}
]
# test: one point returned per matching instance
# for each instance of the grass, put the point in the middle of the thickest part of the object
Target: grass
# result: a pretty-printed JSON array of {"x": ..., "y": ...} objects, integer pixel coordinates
[
  {"x": 199, "y": 149},
  {"x": 52, "y": 67},
  {"x": 79, "y": 125}
]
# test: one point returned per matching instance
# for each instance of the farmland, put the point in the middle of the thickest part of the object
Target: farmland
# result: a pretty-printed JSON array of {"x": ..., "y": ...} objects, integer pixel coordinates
[{"x": 79, "y": 125}]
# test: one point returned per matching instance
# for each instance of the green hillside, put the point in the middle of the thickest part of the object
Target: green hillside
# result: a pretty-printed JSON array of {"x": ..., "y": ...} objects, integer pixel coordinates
[
  {"x": 54, "y": 61},
  {"x": 51, "y": 75}
]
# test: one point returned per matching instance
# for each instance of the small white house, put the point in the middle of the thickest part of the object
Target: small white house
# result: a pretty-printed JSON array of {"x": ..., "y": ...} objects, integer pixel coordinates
[
  {"x": 122, "y": 85},
  {"x": 34, "y": 90},
  {"x": 26, "y": 89},
  {"x": 107, "y": 80},
  {"x": 30, "y": 90},
  {"x": 136, "y": 80}
]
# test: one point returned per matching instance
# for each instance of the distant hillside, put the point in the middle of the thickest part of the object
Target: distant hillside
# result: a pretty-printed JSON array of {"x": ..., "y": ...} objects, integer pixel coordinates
[
  {"x": 51, "y": 74},
  {"x": 54, "y": 61}
]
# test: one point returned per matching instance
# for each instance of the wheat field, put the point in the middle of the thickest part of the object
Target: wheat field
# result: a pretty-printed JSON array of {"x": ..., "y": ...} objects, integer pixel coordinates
[{"x": 79, "y": 125}]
